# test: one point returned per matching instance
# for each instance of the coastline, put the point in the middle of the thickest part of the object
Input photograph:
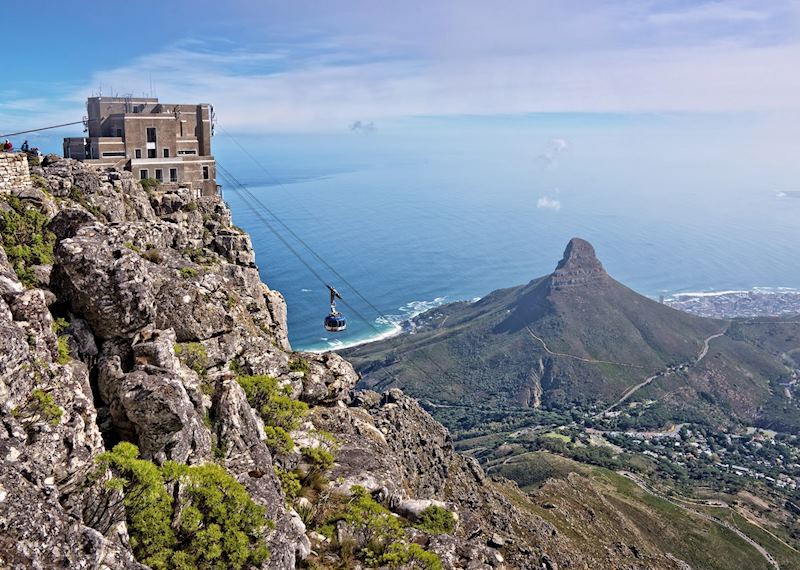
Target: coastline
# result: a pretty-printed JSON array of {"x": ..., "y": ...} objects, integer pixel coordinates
[{"x": 730, "y": 303}]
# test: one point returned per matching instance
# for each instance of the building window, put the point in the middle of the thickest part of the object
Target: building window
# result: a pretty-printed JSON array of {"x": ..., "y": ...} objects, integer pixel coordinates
[
  {"x": 143, "y": 174},
  {"x": 166, "y": 153},
  {"x": 187, "y": 152},
  {"x": 151, "y": 153},
  {"x": 159, "y": 175},
  {"x": 138, "y": 153},
  {"x": 151, "y": 134},
  {"x": 173, "y": 174},
  {"x": 114, "y": 153},
  {"x": 181, "y": 123},
  {"x": 205, "y": 173}
]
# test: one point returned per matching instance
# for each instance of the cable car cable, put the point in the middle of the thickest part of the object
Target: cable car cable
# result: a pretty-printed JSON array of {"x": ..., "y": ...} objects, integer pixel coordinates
[
  {"x": 310, "y": 249},
  {"x": 42, "y": 129},
  {"x": 236, "y": 183},
  {"x": 277, "y": 183}
]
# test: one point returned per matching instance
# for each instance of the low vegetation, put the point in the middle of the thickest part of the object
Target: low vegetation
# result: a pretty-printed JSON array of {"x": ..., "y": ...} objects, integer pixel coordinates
[
  {"x": 436, "y": 520},
  {"x": 212, "y": 523},
  {"x": 194, "y": 355},
  {"x": 280, "y": 412},
  {"x": 25, "y": 239},
  {"x": 150, "y": 184},
  {"x": 42, "y": 403},
  {"x": 377, "y": 537},
  {"x": 188, "y": 272},
  {"x": 300, "y": 365}
]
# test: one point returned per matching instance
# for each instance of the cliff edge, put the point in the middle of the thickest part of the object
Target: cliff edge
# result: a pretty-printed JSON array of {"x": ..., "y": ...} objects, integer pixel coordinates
[{"x": 154, "y": 414}]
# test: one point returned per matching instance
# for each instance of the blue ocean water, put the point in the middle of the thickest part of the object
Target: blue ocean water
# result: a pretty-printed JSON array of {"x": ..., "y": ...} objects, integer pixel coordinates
[{"x": 413, "y": 221}]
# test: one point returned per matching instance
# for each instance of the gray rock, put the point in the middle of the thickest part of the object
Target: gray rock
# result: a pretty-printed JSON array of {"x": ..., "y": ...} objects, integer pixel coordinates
[
  {"x": 36, "y": 532},
  {"x": 152, "y": 407}
]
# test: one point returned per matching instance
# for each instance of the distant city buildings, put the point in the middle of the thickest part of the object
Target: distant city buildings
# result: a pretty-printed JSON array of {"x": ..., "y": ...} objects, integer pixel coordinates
[{"x": 170, "y": 143}]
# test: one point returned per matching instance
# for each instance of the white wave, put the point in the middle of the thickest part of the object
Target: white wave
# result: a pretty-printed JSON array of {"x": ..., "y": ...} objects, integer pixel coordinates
[
  {"x": 756, "y": 290},
  {"x": 707, "y": 293},
  {"x": 396, "y": 324},
  {"x": 306, "y": 290}
]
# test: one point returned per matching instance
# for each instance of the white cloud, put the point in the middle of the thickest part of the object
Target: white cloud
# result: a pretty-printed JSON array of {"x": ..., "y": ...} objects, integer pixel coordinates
[
  {"x": 710, "y": 12},
  {"x": 547, "y": 203},
  {"x": 554, "y": 148},
  {"x": 362, "y": 127},
  {"x": 391, "y": 61}
]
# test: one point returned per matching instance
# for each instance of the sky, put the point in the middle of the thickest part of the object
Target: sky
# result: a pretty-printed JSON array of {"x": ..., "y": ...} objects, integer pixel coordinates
[{"x": 321, "y": 67}]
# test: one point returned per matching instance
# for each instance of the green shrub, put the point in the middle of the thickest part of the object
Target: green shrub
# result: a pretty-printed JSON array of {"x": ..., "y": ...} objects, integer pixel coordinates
[
  {"x": 60, "y": 324},
  {"x": 132, "y": 247},
  {"x": 410, "y": 555},
  {"x": 42, "y": 403},
  {"x": 194, "y": 355},
  {"x": 280, "y": 412},
  {"x": 199, "y": 255},
  {"x": 188, "y": 273},
  {"x": 76, "y": 195},
  {"x": 278, "y": 440},
  {"x": 290, "y": 482},
  {"x": 25, "y": 239},
  {"x": 436, "y": 520},
  {"x": 39, "y": 181},
  {"x": 374, "y": 522},
  {"x": 64, "y": 355},
  {"x": 213, "y": 523},
  {"x": 149, "y": 184},
  {"x": 299, "y": 365},
  {"x": 318, "y": 456}
]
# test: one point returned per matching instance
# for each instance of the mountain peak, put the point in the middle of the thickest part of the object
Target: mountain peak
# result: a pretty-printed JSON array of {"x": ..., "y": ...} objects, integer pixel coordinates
[{"x": 579, "y": 266}]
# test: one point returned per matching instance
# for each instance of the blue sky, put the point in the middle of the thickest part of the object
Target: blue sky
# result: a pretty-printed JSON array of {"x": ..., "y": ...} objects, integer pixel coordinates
[{"x": 302, "y": 66}]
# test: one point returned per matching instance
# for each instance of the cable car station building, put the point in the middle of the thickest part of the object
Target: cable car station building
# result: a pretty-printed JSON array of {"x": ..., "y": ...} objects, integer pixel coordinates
[{"x": 171, "y": 143}]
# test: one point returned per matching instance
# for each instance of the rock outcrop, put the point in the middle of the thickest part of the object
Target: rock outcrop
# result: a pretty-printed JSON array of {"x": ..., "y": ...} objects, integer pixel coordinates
[
  {"x": 142, "y": 328},
  {"x": 578, "y": 267}
]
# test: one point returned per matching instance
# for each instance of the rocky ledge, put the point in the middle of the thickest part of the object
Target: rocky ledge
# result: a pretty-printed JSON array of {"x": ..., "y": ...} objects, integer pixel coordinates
[
  {"x": 136, "y": 315},
  {"x": 579, "y": 267}
]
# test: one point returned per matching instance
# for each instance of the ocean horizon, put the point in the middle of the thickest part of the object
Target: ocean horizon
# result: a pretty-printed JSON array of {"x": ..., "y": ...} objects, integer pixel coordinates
[{"x": 414, "y": 224}]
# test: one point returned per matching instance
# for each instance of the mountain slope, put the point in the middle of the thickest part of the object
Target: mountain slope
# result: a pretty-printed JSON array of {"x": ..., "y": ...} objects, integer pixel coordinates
[{"x": 574, "y": 337}]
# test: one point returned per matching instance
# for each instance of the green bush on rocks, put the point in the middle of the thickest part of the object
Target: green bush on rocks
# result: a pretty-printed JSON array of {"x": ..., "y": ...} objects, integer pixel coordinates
[
  {"x": 210, "y": 523},
  {"x": 280, "y": 412},
  {"x": 25, "y": 239},
  {"x": 436, "y": 520}
]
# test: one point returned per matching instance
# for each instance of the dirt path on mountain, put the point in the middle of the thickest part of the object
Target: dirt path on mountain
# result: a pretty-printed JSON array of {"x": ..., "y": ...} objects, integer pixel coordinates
[
  {"x": 761, "y": 550},
  {"x": 666, "y": 371},
  {"x": 589, "y": 360}
]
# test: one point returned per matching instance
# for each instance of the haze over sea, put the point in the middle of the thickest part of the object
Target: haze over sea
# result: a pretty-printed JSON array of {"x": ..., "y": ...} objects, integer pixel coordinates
[{"x": 427, "y": 211}]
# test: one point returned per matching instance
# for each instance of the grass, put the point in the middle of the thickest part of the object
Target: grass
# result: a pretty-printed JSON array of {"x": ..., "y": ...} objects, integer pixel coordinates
[
  {"x": 787, "y": 558},
  {"x": 667, "y": 527},
  {"x": 701, "y": 543}
]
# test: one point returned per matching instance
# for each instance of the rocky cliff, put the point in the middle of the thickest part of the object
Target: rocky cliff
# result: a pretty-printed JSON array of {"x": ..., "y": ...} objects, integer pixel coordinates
[{"x": 136, "y": 315}]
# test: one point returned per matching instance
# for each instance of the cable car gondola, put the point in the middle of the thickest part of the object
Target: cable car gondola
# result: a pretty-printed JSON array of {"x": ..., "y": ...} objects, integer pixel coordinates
[{"x": 335, "y": 321}]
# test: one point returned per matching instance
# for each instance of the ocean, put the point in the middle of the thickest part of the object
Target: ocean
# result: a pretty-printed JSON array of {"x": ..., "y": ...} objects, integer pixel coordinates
[{"x": 412, "y": 222}]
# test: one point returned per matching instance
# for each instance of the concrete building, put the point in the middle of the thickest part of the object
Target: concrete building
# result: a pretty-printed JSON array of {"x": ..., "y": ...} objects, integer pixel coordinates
[{"x": 171, "y": 143}]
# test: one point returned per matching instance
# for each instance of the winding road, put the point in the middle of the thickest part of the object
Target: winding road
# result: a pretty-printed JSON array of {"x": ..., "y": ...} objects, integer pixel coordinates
[
  {"x": 668, "y": 370},
  {"x": 761, "y": 550}
]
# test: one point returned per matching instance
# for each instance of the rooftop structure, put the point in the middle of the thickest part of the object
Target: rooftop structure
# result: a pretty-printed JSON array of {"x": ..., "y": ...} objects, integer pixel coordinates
[{"x": 171, "y": 143}]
